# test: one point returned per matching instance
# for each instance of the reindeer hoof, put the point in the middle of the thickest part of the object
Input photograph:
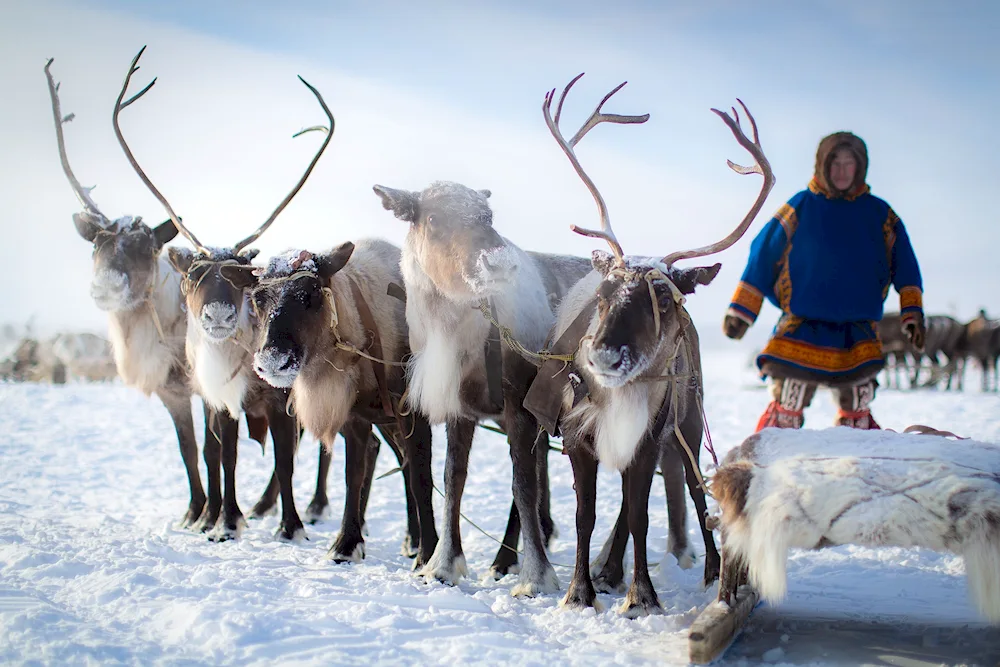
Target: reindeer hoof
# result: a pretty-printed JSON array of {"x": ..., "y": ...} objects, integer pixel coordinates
[
  {"x": 609, "y": 580},
  {"x": 190, "y": 518},
  {"x": 497, "y": 572},
  {"x": 536, "y": 583},
  {"x": 409, "y": 549},
  {"x": 638, "y": 605},
  {"x": 444, "y": 569},
  {"x": 291, "y": 533},
  {"x": 580, "y": 597},
  {"x": 356, "y": 556},
  {"x": 227, "y": 529},
  {"x": 262, "y": 509},
  {"x": 317, "y": 511}
]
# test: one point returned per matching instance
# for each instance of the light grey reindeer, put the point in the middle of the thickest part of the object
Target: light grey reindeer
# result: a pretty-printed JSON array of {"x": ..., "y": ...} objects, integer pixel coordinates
[
  {"x": 139, "y": 290},
  {"x": 453, "y": 261},
  {"x": 635, "y": 382}
]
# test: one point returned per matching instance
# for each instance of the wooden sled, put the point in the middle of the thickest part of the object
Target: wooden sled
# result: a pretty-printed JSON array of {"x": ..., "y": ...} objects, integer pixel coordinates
[{"x": 785, "y": 489}]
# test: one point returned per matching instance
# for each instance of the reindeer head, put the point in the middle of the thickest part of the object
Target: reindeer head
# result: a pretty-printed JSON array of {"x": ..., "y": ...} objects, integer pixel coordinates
[
  {"x": 126, "y": 250},
  {"x": 452, "y": 238},
  {"x": 640, "y": 315},
  {"x": 296, "y": 311},
  {"x": 215, "y": 280}
]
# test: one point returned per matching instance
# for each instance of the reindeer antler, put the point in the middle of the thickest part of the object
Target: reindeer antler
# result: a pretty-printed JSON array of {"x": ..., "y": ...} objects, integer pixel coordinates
[
  {"x": 761, "y": 166},
  {"x": 82, "y": 193},
  {"x": 596, "y": 118},
  {"x": 298, "y": 186},
  {"x": 119, "y": 105}
]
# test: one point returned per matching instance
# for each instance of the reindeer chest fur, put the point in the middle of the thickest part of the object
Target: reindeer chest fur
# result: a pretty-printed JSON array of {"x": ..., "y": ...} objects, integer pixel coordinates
[
  {"x": 222, "y": 373},
  {"x": 144, "y": 358}
]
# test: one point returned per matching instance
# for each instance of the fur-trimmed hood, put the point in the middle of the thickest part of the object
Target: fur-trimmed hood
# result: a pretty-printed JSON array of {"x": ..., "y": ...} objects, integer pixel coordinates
[{"x": 824, "y": 156}]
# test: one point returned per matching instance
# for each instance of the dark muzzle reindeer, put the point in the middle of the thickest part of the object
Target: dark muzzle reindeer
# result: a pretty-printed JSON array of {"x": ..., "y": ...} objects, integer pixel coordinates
[
  {"x": 221, "y": 329},
  {"x": 333, "y": 335},
  {"x": 453, "y": 263},
  {"x": 139, "y": 290},
  {"x": 635, "y": 385}
]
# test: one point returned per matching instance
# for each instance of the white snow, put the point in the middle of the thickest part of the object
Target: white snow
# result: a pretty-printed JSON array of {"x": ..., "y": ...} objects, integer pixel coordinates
[{"x": 93, "y": 571}]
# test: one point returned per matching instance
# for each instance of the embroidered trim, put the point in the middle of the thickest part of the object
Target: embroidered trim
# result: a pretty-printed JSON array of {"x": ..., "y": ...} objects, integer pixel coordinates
[
  {"x": 817, "y": 188},
  {"x": 826, "y": 359},
  {"x": 741, "y": 315},
  {"x": 889, "y": 235},
  {"x": 747, "y": 299},
  {"x": 911, "y": 298},
  {"x": 783, "y": 285},
  {"x": 788, "y": 218}
]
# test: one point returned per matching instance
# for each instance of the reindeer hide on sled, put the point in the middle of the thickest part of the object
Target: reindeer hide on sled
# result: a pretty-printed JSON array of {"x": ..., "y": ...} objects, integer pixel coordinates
[{"x": 814, "y": 489}]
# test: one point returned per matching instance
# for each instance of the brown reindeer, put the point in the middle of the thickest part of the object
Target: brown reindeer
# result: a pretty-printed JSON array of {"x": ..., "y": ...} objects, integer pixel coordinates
[
  {"x": 220, "y": 330},
  {"x": 634, "y": 384},
  {"x": 453, "y": 264},
  {"x": 333, "y": 336},
  {"x": 140, "y": 292},
  {"x": 983, "y": 345}
]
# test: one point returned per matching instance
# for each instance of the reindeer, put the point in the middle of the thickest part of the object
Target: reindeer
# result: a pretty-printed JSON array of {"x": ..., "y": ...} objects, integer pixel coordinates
[
  {"x": 945, "y": 337},
  {"x": 635, "y": 380},
  {"x": 333, "y": 335},
  {"x": 983, "y": 345},
  {"x": 454, "y": 264},
  {"x": 139, "y": 290},
  {"x": 223, "y": 332}
]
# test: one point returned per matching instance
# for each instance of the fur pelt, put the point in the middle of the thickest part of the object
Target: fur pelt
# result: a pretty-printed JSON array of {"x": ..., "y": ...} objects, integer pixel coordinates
[{"x": 813, "y": 489}]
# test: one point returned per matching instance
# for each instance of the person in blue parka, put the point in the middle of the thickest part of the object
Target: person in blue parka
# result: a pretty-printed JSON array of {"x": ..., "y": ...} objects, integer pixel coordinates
[{"x": 827, "y": 259}]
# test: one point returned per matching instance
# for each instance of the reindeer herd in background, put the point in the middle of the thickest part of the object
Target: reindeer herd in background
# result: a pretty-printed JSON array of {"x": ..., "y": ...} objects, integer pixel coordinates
[
  {"x": 459, "y": 326},
  {"x": 948, "y": 346}
]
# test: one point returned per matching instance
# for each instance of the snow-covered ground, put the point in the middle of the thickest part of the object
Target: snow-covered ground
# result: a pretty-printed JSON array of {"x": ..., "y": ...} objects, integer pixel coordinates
[{"x": 92, "y": 569}]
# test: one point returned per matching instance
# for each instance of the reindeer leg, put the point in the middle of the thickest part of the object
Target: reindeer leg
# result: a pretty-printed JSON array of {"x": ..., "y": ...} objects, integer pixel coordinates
[
  {"x": 349, "y": 546},
  {"x": 411, "y": 542},
  {"x": 506, "y": 559},
  {"x": 641, "y": 598},
  {"x": 691, "y": 428},
  {"x": 320, "y": 504},
  {"x": 212, "y": 452},
  {"x": 418, "y": 448},
  {"x": 284, "y": 434},
  {"x": 581, "y": 593},
  {"x": 179, "y": 407},
  {"x": 447, "y": 563},
  {"x": 608, "y": 569},
  {"x": 268, "y": 499},
  {"x": 371, "y": 456},
  {"x": 549, "y": 530},
  {"x": 232, "y": 523},
  {"x": 537, "y": 574},
  {"x": 672, "y": 467}
]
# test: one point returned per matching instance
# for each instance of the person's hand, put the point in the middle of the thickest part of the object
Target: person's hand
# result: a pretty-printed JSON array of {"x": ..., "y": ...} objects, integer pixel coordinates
[
  {"x": 915, "y": 330},
  {"x": 734, "y": 327}
]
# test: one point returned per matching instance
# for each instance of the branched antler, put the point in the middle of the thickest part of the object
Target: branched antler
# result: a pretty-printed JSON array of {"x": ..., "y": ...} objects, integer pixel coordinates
[
  {"x": 329, "y": 135},
  {"x": 82, "y": 193},
  {"x": 596, "y": 118},
  {"x": 761, "y": 166},
  {"x": 119, "y": 105}
]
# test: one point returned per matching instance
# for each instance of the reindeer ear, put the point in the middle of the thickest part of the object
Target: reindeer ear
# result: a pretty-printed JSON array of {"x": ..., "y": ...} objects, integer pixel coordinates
[
  {"x": 485, "y": 193},
  {"x": 249, "y": 254},
  {"x": 165, "y": 232},
  {"x": 602, "y": 261},
  {"x": 180, "y": 258},
  {"x": 87, "y": 226},
  {"x": 402, "y": 203},
  {"x": 687, "y": 279},
  {"x": 335, "y": 260},
  {"x": 240, "y": 275}
]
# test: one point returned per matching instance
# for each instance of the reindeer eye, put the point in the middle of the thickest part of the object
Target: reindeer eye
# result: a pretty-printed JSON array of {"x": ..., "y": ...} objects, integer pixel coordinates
[{"x": 429, "y": 219}]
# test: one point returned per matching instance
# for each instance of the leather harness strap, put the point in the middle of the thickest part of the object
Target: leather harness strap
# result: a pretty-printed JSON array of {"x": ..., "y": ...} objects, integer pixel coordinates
[
  {"x": 545, "y": 395},
  {"x": 493, "y": 351},
  {"x": 368, "y": 322}
]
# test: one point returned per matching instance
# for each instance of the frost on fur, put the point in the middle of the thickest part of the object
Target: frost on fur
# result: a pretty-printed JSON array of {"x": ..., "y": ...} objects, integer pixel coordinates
[{"x": 813, "y": 489}]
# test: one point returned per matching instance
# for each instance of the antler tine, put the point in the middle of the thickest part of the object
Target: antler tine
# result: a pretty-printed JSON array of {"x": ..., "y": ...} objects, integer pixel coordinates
[
  {"x": 761, "y": 166},
  {"x": 596, "y": 118},
  {"x": 298, "y": 186},
  {"x": 82, "y": 193},
  {"x": 119, "y": 105}
]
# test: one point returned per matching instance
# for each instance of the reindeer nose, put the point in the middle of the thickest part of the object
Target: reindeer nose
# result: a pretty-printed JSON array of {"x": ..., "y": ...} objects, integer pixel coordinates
[
  {"x": 218, "y": 315},
  {"x": 608, "y": 359}
]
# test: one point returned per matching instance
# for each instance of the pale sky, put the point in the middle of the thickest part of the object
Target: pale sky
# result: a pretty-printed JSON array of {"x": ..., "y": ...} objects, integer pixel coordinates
[{"x": 453, "y": 91}]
